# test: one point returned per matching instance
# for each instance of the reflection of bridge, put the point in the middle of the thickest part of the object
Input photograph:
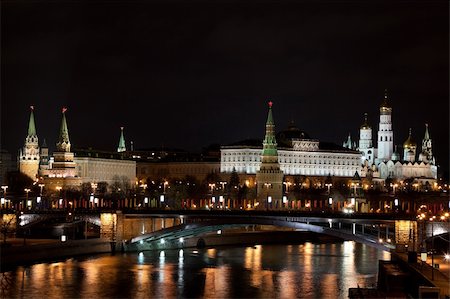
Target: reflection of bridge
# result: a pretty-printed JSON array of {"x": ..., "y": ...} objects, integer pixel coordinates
[{"x": 144, "y": 230}]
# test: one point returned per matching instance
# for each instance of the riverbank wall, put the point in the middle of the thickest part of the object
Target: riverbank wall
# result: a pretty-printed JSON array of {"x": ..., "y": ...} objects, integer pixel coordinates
[{"x": 16, "y": 255}]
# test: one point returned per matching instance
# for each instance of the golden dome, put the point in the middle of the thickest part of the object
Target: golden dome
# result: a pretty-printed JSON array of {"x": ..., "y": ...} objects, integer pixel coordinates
[
  {"x": 385, "y": 104},
  {"x": 409, "y": 142}
]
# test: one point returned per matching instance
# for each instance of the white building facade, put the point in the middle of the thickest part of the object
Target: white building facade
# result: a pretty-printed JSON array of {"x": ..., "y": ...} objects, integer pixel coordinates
[
  {"x": 305, "y": 157},
  {"x": 91, "y": 169}
]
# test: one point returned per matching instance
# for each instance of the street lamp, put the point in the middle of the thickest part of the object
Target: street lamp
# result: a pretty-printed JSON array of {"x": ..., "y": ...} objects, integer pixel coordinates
[
  {"x": 287, "y": 184},
  {"x": 328, "y": 186},
  {"x": 27, "y": 191},
  {"x": 223, "y": 185}
]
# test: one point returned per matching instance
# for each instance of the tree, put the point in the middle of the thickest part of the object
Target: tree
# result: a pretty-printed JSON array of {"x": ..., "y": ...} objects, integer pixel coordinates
[
  {"x": 234, "y": 179},
  {"x": 18, "y": 181},
  {"x": 6, "y": 226}
]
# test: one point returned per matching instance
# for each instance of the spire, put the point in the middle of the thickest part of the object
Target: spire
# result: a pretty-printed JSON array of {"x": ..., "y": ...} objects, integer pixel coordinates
[
  {"x": 269, "y": 116},
  {"x": 63, "y": 144},
  {"x": 427, "y": 135},
  {"x": 31, "y": 125},
  {"x": 270, "y": 143},
  {"x": 121, "y": 147},
  {"x": 44, "y": 143}
]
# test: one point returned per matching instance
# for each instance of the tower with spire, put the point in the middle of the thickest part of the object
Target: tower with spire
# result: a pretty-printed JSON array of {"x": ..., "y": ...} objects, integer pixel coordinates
[
  {"x": 29, "y": 155},
  {"x": 269, "y": 177},
  {"x": 385, "y": 133},
  {"x": 427, "y": 152},
  {"x": 63, "y": 165},
  {"x": 121, "y": 147}
]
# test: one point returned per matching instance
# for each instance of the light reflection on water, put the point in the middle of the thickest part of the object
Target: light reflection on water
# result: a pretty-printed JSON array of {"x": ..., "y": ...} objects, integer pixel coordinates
[{"x": 262, "y": 271}]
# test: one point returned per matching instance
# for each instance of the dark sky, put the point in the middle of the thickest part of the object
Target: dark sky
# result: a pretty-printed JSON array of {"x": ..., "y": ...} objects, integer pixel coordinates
[{"x": 187, "y": 74}]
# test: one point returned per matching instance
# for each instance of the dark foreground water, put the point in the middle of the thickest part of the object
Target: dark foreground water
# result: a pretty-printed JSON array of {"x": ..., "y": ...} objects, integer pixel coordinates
[{"x": 263, "y": 271}]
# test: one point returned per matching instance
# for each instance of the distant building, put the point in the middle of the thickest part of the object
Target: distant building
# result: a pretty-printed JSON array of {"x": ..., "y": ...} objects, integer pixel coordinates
[
  {"x": 383, "y": 162},
  {"x": 102, "y": 166},
  {"x": 68, "y": 169}
]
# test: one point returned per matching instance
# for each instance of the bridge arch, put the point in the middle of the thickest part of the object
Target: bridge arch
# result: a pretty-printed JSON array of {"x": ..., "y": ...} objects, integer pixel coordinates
[{"x": 177, "y": 236}]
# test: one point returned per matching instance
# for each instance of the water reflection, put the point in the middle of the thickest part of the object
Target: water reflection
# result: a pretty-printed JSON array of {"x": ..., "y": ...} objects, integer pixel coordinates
[{"x": 276, "y": 271}]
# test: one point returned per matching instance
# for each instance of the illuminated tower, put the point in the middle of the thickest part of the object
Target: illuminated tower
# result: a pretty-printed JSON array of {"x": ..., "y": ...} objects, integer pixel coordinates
[
  {"x": 385, "y": 133},
  {"x": 427, "y": 153},
  {"x": 122, "y": 146},
  {"x": 29, "y": 154},
  {"x": 269, "y": 178},
  {"x": 365, "y": 141},
  {"x": 63, "y": 165}
]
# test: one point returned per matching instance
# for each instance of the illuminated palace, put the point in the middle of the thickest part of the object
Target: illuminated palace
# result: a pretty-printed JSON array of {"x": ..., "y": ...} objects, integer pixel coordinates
[
  {"x": 67, "y": 169},
  {"x": 291, "y": 152},
  {"x": 297, "y": 154},
  {"x": 384, "y": 161}
]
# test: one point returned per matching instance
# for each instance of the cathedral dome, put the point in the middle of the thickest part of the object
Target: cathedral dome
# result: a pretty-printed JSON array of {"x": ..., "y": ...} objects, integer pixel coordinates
[
  {"x": 284, "y": 138},
  {"x": 395, "y": 155},
  {"x": 409, "y": 142}
]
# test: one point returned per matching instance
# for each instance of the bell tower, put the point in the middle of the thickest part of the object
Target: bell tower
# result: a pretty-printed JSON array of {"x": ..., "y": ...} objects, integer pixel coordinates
[{"x": 385, "y": 133}]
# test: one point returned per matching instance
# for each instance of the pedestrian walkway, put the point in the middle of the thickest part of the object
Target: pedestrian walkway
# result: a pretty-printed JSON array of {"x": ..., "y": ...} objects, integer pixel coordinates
[{"x": 438, "y": 277}]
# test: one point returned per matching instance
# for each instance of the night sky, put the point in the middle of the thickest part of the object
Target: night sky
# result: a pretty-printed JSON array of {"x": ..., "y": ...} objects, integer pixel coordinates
[{"x": 187, "y": 74}]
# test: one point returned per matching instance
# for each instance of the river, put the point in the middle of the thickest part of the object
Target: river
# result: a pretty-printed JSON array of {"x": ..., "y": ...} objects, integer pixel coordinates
[{"x": 305, "y": 270}]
